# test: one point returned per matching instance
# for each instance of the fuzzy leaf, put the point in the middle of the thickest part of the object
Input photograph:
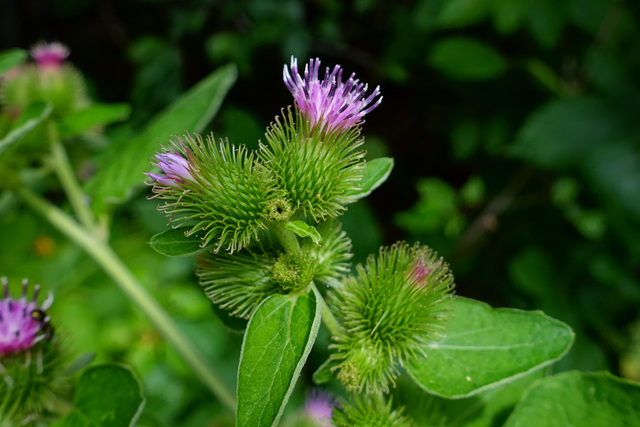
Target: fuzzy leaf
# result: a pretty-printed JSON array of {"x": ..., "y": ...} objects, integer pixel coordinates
[
  {"x": 192, "y": 112},
  {"x": 278, "y": 340},
  {"x": 92, "y": 116},
  {"x": 175, "y": 243},
  {"x": 484, "y": 347},
  {"x": 579, "y": 399},
  {"x": 303, "y": 229},
  {"x": 30, "y": 118},
  {"x": 106, "y": 396},
  {"x": 10, "y": 58},
  {"x": 375, "y": 173}
]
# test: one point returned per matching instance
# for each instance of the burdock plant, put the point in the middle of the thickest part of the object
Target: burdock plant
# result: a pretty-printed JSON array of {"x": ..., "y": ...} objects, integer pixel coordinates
[{"x": 268, "y": 230}]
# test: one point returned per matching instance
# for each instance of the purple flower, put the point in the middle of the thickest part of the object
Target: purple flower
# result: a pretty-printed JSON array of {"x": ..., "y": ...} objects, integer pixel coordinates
[
  {"x": 22, "y": 323},
  {"x": 331, "y": 102},
  {"x": 49, "y": 55},
  {"x": 318, "y": 407},
  {"x": 175, "y": 167}
]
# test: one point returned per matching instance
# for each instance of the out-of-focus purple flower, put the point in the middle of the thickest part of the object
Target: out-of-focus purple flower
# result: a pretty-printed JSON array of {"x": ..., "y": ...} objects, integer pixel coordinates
[
  {"x": 49, "y": 56},
  {"x": 22, "y": 323},
  {"x": 330, "y": 101},
  {"x": 175, "y": 167},
  {"x": 318, "y": 407}
]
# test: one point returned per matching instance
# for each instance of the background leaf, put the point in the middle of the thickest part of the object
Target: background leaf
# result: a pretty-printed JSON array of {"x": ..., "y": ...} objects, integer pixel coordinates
[
  {"x": 191, "y": 112},
  {"x": 173, "y": 242},
  {"x": 466, "y": 59},
  {"x": 106, "y": 396},
  {"x": 32, "y": 116},
  {"x": 11, "y": 58},
  {"x": 484, "y": 347},
  {"x": 92, "y": 116},
  {"x": 278, "y": 340},
  {"x": 579, "y": 399}
]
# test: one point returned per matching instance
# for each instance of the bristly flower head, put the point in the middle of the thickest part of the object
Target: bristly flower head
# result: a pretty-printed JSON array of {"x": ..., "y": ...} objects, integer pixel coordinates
[
  {"x": 49, "y": 55},
  {"x": 395, "y": 306},
  {"x": 175, "y": 167},
  {"x": 331, "y": 102},
  {"x": 22, "y": 323}
]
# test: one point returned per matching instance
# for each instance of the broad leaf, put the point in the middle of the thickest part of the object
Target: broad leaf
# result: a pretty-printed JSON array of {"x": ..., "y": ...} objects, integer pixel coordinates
[
  {"x": 92, "y": 116},
  {"x": 375, "y": 173},
  {"x": 191, "y": 112},
  {"x": 278, "y": 340},
  {"x": 484, "y": 347},
  {"x": 106, "y": 396},
  {"x": 303, "y": 229},
  {"x": 30, "y": 118},
  {"x": 579, "y": 399},
  {"x": 11, "y": 58},
  {"x": 173, "y": 242}
]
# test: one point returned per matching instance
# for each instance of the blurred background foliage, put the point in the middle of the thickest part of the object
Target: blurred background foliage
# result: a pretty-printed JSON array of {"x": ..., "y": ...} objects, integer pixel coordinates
[{"x": 513, "y": 124}]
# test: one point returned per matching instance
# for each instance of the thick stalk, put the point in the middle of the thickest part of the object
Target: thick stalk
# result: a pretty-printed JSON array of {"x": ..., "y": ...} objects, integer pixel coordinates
[
  {"x": 67, "y": 178},
  {"x": 114, "y": 267}
]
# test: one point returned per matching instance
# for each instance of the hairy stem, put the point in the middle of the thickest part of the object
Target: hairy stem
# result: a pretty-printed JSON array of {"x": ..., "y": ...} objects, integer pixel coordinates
[
  {"x": 67, "y": 178},
  {"x": 114, "y": 267}
]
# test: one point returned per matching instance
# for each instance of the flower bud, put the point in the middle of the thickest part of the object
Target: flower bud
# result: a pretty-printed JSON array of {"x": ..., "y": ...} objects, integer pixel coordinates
[
  {"x": 395, "y": 305},
  {"x": 369, "y": 410},
  {"x": 30, "y": 359}
]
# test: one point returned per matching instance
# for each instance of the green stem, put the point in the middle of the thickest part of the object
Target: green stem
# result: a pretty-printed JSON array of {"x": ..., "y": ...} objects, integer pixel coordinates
[
  {"x": 109, "y": 261},
  {"x": 68, "y": 179},
  {"x": 328, "y": 319}
]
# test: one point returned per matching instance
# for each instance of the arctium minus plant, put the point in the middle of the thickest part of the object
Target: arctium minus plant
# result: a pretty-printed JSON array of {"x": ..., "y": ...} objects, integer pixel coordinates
[{"x": 270, "y": 249}]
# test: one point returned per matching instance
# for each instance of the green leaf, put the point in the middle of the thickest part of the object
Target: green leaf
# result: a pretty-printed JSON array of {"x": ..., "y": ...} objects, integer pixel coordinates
[
  {"x": 11, "y": 58},
  {"x": 462, "y": 13},
  {"x": 484, "y": 347},
  {"x": 303, "y": 229},
  {"x": 92, "y": 116},
  {"x": 174, "y": 242},
  {"x": 465, "y": 58},
  {"x": 278, "y": 340},
  {"x": 191, "y": 112},
  {"x": 32, "y": 116},
  {"x": 106, "y": 396},
  {"x": 579, "y": 399},
  {"x": 375, "y": 173}
]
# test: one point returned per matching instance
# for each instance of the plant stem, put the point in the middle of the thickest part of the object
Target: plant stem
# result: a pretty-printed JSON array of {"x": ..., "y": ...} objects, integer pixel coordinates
[
  {"x": 328, "y": 319},
  {"x": 114, "y": 267},
  {"x": 67, "y": 178}
]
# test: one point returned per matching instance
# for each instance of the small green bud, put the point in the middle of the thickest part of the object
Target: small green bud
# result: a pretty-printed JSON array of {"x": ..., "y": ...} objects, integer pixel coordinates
[
  {"x": 393, "y": 308},
  {"x": 293, "y": 271},
  {"x": 369, "y": 410}
]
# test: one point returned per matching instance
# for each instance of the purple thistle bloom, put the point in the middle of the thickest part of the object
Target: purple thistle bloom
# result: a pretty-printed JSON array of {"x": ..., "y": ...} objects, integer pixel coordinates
[
  {"x": 318, "y": 407},
  {"x": 49, "y": 55},
  {"x": 175, "y": 167},
  {"x": 22, "y": 322},
  {"x": 335, "y": 104}
]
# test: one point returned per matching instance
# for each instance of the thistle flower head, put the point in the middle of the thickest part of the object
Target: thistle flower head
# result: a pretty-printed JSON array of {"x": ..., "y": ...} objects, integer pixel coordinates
[
  {"x": 49, "y": 55},
  {"x": 175, "y": 167},
  {"x": 318, "y": 407},
  {"x": 370, "y": 410},
  {"x": 395, "y": 305},
  {"x": 22, "y": 322},
  {"x": 330, "y": 102}
]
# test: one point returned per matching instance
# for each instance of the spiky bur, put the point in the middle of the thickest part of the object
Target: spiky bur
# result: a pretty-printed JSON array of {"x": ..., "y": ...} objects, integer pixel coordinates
[
  {"x": 332, "y": 256},
  {"x": 238, "y": 283},
  {"x": 218, "y": 190},
  {"x": 50, "y": 79},
  {"x": 369, "y": 410},
  {"x": 315, "y": 169},
  {"x": 395, "y": 305},
  {"x": 30, "y": 358}
]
